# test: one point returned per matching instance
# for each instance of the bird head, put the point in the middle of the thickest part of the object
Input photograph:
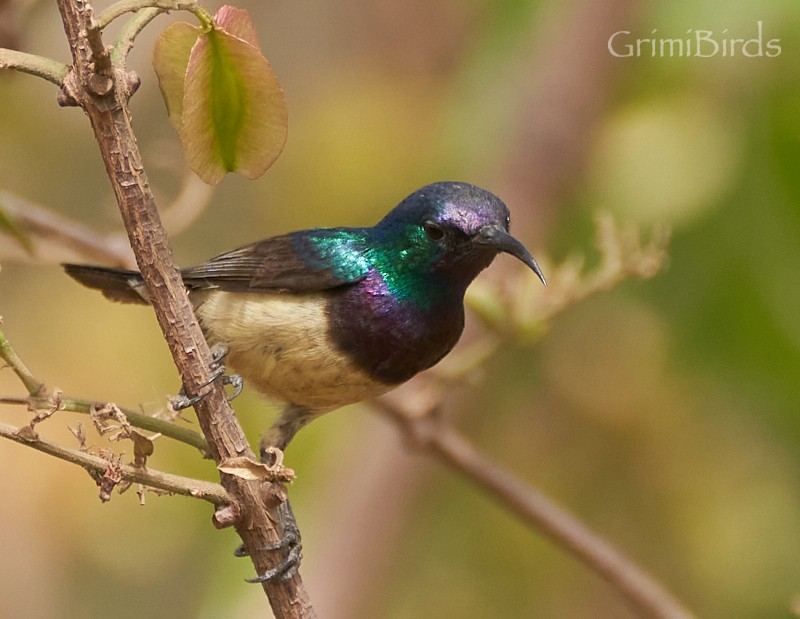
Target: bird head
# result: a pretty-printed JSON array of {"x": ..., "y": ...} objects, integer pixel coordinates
[{"x": 457, "y": 229}]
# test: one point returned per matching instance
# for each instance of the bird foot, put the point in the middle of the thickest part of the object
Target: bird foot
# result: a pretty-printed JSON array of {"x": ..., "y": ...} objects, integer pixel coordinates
[
  {"x": 289, "y": 543},
  {"x": 182, "y": 401}
]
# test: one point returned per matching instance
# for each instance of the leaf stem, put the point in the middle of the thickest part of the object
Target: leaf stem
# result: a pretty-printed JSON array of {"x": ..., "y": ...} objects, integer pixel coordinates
[
  {"x": 145, "y": 12},
  {"x": 118, "y": 9},
  {"x": 131, "y": 29}
]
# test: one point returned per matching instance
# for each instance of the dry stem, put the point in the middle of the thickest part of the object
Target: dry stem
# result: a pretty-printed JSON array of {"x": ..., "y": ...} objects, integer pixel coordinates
[{"x": 110, "y": 119}]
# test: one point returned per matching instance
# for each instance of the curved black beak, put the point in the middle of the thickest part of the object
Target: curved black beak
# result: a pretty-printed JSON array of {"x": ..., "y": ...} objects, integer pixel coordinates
[{"x": 503, "y": 241}]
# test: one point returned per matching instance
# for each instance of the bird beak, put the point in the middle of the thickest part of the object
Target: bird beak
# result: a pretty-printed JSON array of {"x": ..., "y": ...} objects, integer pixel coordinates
[{"x": 503, "y": 241}]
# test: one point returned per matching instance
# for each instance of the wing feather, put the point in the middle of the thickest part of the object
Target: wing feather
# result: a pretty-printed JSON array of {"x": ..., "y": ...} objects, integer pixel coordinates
[{"x": 307, "y": 261}]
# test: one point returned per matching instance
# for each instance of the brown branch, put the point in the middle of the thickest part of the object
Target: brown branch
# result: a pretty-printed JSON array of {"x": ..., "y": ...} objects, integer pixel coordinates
[
  {"x": 191, "y": 201},
  {"x": 55, "y": 238},
  {"x": 637, "y": 587},
  {"x": 520, "y": 317},
  {"x": 110, "y": 119},
  {"x": 98, "y": 466}
]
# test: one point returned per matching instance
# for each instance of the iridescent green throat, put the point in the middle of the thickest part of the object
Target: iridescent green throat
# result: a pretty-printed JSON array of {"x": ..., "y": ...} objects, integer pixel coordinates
[{"x": 402, "y": 255}]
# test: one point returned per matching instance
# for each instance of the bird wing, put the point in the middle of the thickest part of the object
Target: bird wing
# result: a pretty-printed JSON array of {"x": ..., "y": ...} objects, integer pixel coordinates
[{"x": 306, "y": 261}]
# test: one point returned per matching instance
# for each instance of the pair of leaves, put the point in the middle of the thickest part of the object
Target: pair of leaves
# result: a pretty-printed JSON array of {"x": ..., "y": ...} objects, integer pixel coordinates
[{"x": 222, "y": 96}]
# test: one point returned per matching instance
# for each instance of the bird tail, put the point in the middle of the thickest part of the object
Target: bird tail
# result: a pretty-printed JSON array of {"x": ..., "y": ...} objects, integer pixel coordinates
[{"x": 120, "y": 285}]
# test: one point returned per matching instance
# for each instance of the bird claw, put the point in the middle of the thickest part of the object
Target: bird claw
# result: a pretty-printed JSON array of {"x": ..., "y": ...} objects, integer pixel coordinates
[
  {"x": 182, "y": 401},
  {"x": 235, "y": 381},
  {"x": 290, "y": 541}
]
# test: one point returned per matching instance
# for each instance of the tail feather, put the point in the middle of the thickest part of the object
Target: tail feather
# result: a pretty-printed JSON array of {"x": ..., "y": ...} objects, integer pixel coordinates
[{"x": 120, "y": 285}]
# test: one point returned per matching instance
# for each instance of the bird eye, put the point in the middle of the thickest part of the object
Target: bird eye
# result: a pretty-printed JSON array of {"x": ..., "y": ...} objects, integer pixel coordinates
[{"x": 434, "y": 232}]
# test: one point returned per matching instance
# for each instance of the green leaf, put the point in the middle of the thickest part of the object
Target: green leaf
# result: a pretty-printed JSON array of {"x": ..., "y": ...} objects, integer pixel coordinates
[
  {"x": 170, "y": 60},
  {"x": 222, "y": 96}
]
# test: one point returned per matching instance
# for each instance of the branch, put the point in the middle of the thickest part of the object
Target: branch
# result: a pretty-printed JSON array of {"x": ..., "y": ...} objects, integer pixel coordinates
[
  {"x": 145, "y": 12},
  {"x": 47, "y": 235},
  {"x": 118, "y": 472},
  {"x": 127, "y": 36},
  {"x": 7, "y": 354},
  {"x": 55, "y": 238},
  {"x": 624, "y": 254},
  {"x": 524, "y": 309},
  {"x": 162, "y": 6},
  {"x": 58, "y": 238},
  {"x": 522, "y": 312},
  {"x": 51, "y": 70},
  {"x": 110, "y": 119},
  {"x": 191, "y": 201},
  {"x": 522, "y": 316},
  {"x": 137, "y": 420},
  {"x": 638, "y": 588},
  {"x": 39, "y": 400}
]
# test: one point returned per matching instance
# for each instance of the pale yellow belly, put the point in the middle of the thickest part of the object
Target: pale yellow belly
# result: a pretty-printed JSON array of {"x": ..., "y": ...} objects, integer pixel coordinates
[{"x": 278, "y": 343}]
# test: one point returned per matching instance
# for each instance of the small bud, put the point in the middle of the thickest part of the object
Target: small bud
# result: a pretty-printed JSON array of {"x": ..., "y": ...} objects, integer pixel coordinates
[
  {"x": 100, "y": 85},
  {"x": 226, "y": 516}
]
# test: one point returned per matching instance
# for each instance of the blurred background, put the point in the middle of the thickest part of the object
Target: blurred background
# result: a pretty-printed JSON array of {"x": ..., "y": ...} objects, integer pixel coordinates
[{"x": 663, "y": 413}]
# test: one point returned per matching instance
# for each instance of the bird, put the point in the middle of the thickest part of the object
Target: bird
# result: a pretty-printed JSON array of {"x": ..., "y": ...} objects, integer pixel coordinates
[{"x": 325, "y": 317}]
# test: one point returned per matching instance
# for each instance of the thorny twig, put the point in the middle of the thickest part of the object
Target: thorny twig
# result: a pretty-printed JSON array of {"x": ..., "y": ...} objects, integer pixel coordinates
[
  {"x": 47, "y": 404},
  {"x": 520, "y": 311},
  {"x": 99, "y": 465}
]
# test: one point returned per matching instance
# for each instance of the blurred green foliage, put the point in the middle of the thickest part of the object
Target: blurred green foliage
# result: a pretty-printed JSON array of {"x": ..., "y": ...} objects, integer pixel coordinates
[{"x": 664, "y": 413}]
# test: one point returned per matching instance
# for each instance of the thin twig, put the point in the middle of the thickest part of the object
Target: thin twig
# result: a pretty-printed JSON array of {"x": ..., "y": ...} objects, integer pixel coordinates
[
  {"x": 7, "y": 354},
  {"x": 127, "y": 35},
  {"x": 119, "y": 9},
  {"x": 192, "y": 200},
  {"x": 38, "y": 400},
  {"x": 58, "y": 238},
  {"x": 636, "y": 586},
  {"x": 46, "y": 68},
  {"x": 624, "y": 254},
  {"x": 55, "y": 238},
  {"x": 145, "y": 12},
  {"x": 137, "y": 420},
  {"x": 213, "y": 493},
  {"x": 522, "y": 316}
]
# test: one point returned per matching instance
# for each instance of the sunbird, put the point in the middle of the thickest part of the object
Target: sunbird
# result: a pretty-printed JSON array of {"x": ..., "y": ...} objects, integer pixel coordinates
[{"x": 325, "y": 317}]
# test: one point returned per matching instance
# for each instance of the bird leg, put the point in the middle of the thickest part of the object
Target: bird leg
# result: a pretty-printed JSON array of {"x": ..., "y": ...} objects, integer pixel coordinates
[
  {"x": 182, "y": 401},
  {"x": 290, "y": 543},
  {"x": 292, "y": 418}
]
